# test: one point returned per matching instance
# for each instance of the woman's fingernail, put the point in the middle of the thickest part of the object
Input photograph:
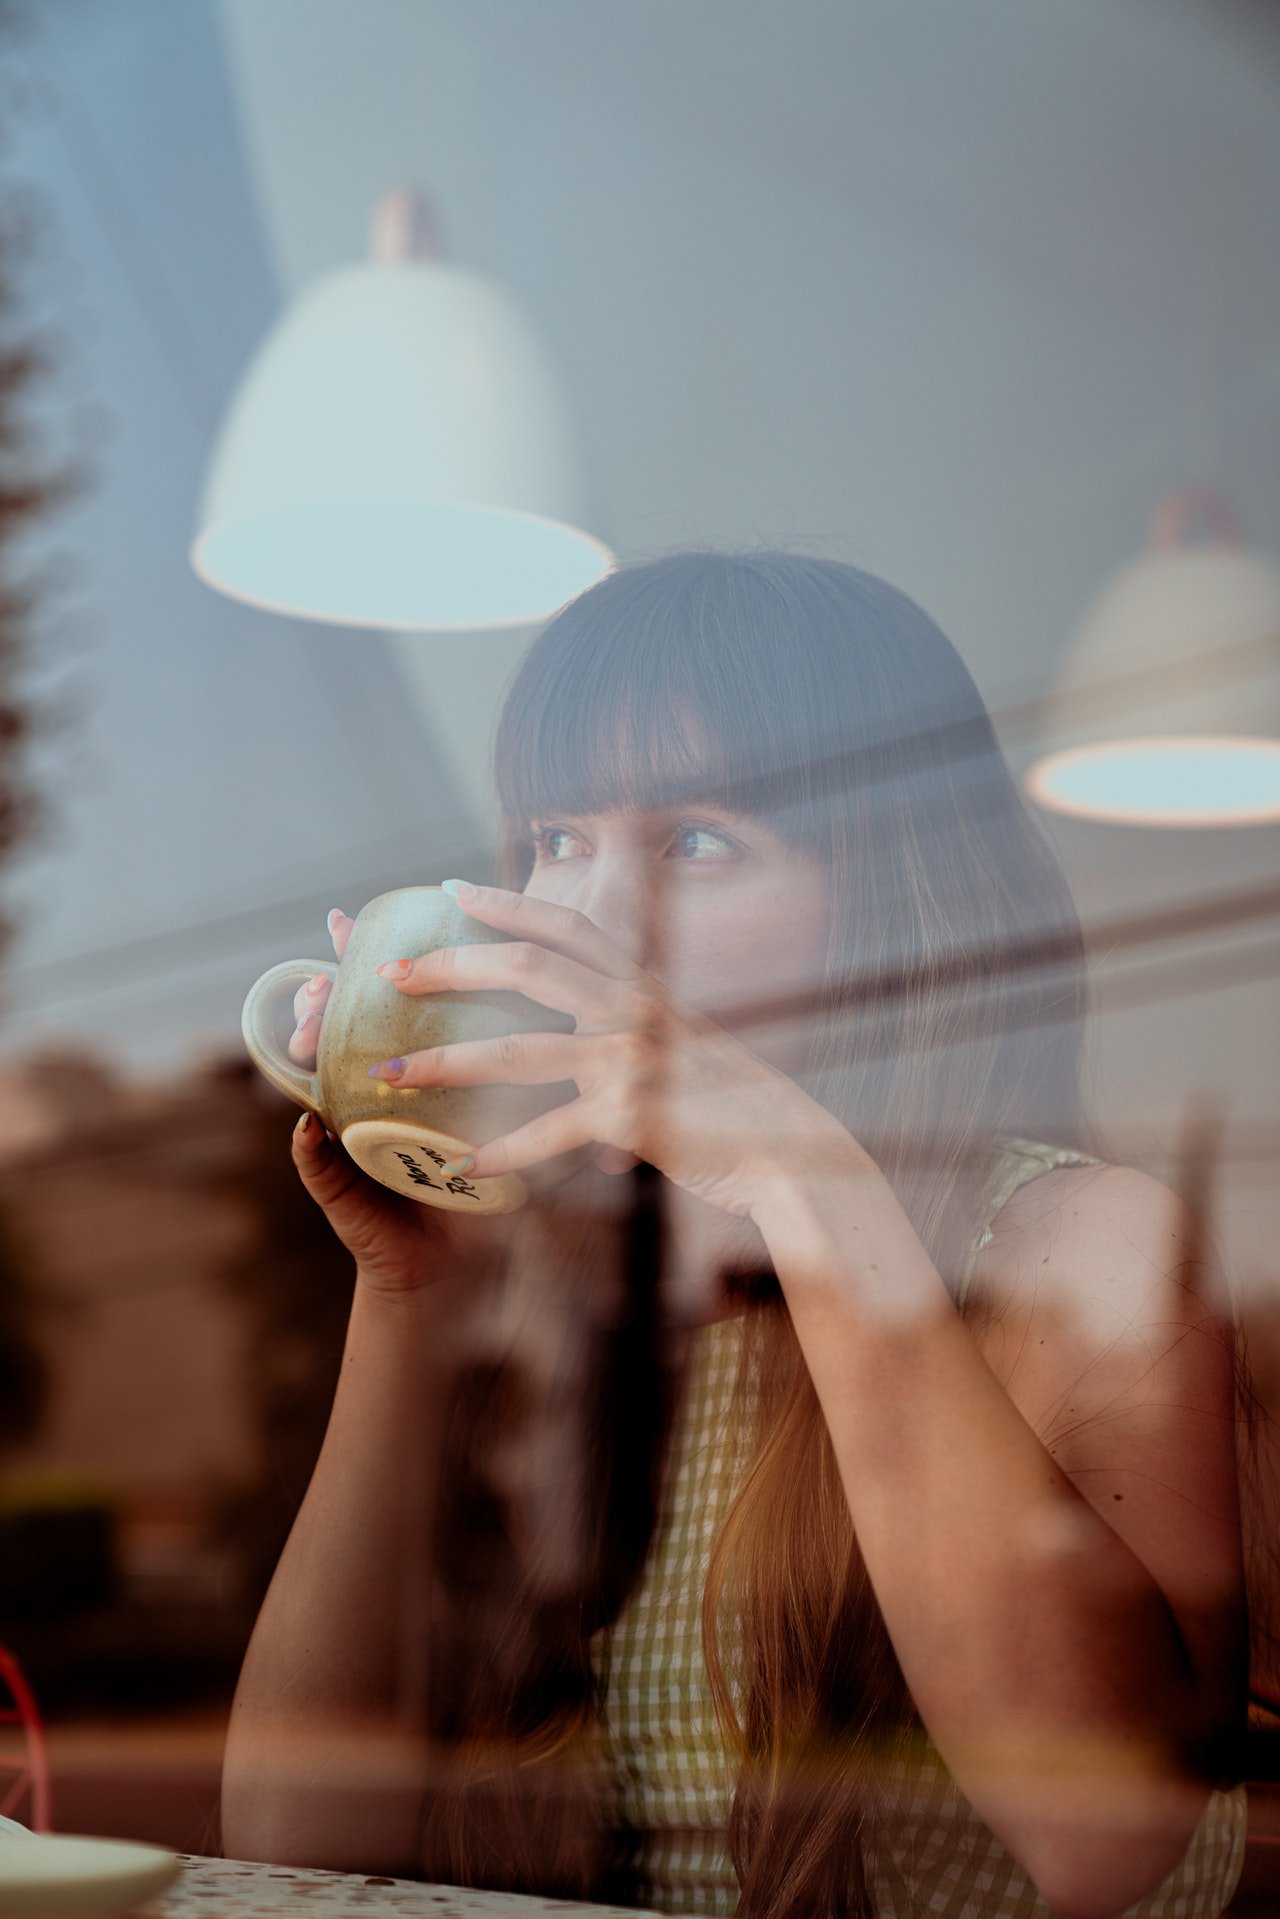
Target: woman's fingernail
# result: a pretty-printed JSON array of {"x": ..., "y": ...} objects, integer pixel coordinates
[
  {"x": 458, "y": 889},
  {"x": 303, "y": 1125},
  {"x": 335, "y": 913},
  {"x": 387, "y": 1069},
  {"x": 306, "y": 1020},
  {"x": 462, "y": 1165},
  {"x": 315, "y": 983},
  {"x": 393, "y": 969}
]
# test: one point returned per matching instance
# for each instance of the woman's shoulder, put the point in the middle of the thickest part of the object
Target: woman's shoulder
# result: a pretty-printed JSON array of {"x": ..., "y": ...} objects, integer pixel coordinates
[
  {"x": 1021, "y": 1157},
  {"x": 1019, "y": 1161},
  {"x": 1029, "y": 1175},
  {"x": 1034, "y": 1177},
  {"x": 1065, "y": 1226}
]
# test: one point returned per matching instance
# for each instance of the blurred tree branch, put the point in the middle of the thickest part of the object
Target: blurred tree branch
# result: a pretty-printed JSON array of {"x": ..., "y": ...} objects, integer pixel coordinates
[
  {"x": 34, "y": 483},
  {"x": 32, "y": 487}
]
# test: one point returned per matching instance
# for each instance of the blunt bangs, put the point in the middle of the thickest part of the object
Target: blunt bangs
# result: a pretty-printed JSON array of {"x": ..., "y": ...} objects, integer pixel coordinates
[{"x": 650, "y": 691}]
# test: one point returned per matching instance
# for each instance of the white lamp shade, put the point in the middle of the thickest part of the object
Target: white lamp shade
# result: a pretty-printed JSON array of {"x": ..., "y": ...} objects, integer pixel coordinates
[
  {"x": 398, "y": 456},
  {"x": 1167, "y": 710}
]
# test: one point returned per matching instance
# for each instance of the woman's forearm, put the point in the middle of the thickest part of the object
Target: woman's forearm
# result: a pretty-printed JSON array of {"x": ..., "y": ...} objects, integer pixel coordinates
[
  {"x": 325, "y": 1752},
  {"x": 1042, "y": 1656}
]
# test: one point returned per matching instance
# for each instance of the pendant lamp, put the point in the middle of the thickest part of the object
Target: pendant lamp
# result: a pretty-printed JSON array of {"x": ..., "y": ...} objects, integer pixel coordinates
[
  {"x": 1167, "y": 711},
  {"x": 398, "y": 454}
]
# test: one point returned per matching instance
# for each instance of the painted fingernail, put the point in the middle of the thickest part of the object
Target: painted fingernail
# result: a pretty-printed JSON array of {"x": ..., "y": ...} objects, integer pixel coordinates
[
  {"x": 335, "y": 913},
  {"x": 315, "y": 983},
  {"x": 303, "y": 1125},
  {"x": 306, "y": 1020},
  {"x": 387, "y": 1069},
  {"x": 462, "y": 1165},
  {"x": 393, "y": 969},
  {"x": 458, "y": 889}
]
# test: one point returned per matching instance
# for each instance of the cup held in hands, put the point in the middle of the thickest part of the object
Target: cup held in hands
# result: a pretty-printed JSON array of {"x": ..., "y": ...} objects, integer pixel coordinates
[{"x": 403, "y": 1135}]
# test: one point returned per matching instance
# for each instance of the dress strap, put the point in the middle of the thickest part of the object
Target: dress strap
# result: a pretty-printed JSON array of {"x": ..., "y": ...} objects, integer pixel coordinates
[{"x": 1018, "y": 1161}]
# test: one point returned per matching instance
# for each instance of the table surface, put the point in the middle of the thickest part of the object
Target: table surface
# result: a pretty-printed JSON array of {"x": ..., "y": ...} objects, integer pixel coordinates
[{"x": 236, "y": 1889}]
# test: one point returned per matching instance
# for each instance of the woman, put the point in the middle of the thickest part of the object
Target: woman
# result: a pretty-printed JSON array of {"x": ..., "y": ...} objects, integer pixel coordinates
[{"x": 943, "y": 1608}]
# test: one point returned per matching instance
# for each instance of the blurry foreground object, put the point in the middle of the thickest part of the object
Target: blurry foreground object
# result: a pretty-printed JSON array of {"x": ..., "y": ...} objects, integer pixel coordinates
[
  {"x": 60, "y": 1877},
  {"x": 24, "y": 1776},
  {"x": 1167, "y": 711},
  {"x": 398, "y": 455}
]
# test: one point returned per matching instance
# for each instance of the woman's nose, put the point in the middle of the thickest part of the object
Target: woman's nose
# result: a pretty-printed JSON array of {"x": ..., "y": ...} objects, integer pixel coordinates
[{"x": 627, "y": 903}]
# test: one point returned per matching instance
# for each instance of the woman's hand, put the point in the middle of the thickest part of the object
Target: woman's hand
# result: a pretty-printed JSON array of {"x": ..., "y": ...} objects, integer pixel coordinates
[
  {"x": 398, "y": 1243},
  {"x": 656, "y": 1079}
]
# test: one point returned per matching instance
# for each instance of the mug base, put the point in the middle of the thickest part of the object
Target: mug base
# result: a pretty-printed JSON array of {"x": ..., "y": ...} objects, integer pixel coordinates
[{"x": 410, "y": 1160}]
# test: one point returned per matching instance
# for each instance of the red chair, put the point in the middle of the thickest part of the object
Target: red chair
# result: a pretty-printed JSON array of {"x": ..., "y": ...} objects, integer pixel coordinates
[{"x": 30, "y": 1770}]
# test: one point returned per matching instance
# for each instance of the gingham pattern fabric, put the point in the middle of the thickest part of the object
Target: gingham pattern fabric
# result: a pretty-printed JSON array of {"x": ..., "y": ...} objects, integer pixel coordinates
[{"x": 671, "y": 1779}]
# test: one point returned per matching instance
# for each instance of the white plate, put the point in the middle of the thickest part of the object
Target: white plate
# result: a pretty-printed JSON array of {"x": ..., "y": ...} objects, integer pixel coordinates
[{"x": 49, "y": 1876}]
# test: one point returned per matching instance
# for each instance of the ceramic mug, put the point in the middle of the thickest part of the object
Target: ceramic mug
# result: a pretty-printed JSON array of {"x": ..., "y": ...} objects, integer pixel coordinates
[{"x": 403, "y": 1135}]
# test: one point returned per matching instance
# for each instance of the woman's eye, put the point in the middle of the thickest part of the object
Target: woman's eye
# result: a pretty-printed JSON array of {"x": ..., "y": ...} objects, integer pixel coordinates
[
  {"x": 547, "y": 841},
  {"x": 694, "y": 841},
  {"x": 700, "y": 842}
]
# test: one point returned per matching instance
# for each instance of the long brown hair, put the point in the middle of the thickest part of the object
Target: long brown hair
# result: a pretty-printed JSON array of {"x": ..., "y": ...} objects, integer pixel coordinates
[{"x": 949, "y": 1016}]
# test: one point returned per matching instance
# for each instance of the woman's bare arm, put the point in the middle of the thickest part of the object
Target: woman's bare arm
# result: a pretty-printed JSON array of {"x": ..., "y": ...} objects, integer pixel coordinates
[
  {"x": 326, "y": 1755},
  {"x": 1066, "y": 1647}
]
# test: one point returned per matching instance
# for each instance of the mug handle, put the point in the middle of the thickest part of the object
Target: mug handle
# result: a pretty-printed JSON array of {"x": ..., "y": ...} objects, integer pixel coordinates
[{"x": 258, "y": 1028}]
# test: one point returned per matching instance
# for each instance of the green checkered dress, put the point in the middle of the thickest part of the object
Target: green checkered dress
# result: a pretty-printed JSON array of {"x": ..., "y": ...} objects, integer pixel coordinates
[{"x": 671, "y": 1778}]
